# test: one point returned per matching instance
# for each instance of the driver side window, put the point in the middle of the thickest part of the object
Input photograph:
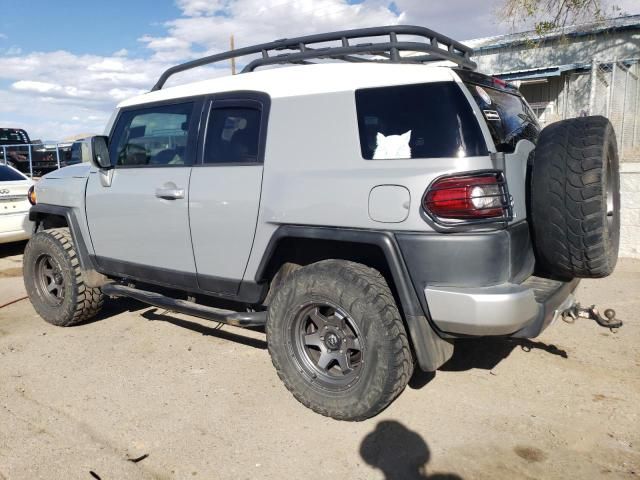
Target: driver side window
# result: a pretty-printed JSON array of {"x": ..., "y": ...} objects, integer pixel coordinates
[{"x": 153, "y": 136}]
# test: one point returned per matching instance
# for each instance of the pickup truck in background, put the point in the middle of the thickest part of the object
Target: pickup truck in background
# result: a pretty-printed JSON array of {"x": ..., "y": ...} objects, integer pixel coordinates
[{"x": 15, "y": 142}]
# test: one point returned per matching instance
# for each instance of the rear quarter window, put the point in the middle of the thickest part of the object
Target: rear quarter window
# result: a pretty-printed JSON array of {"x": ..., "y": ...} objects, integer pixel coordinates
[{"x": 431, "y": 120}]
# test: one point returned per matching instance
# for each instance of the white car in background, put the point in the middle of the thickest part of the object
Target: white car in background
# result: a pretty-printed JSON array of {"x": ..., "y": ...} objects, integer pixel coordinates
[{"x": 14, "y": 205}]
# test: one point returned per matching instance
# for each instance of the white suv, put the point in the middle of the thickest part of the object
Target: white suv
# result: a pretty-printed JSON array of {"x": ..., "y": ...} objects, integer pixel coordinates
[{"x": 368, "y": 210}]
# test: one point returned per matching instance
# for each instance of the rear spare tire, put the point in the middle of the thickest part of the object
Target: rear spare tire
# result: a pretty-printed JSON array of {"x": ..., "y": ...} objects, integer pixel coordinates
[{"x": 575, "y": 198}]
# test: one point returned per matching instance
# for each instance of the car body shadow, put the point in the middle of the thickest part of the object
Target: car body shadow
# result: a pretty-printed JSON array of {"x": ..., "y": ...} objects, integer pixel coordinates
[
  {"x": 111, "y": 308},
  {"x": 215, "y": 331},
  {"x": 485, "y": 354},
  {"x": 400, "y": 453},
  {"x": 11, "y": 249}
]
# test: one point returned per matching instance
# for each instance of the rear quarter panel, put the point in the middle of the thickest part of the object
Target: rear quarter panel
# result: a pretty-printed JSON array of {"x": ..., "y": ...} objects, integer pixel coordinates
[{"x": 315, "y": 174}]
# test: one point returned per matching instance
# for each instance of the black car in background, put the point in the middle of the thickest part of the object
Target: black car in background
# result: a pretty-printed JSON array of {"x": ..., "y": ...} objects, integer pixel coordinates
[{"x": 14, "y": 142}]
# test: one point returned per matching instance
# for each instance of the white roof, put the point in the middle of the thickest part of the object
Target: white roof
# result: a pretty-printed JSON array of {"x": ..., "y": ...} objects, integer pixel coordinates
[{"x": 304, "y": 80}]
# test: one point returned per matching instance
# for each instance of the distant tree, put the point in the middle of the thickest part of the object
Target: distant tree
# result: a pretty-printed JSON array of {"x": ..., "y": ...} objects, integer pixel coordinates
[{"x": 547, "y": 15}]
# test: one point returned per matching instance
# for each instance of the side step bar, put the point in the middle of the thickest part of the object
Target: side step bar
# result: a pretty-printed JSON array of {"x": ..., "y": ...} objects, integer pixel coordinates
[{"x": 237, "y": 319}]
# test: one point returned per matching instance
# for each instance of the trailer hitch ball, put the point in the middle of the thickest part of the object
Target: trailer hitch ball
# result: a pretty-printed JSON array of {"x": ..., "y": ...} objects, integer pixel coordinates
[{"x": 576, "y": 311}]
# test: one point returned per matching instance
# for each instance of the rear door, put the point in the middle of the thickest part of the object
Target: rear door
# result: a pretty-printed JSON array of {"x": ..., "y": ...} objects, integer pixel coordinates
[
  {"x": 138, "y": 214},
  {"x": 224, "y": 195},
  {"x": 509, "y": 117},
  {"x": 510, "y": 121}
]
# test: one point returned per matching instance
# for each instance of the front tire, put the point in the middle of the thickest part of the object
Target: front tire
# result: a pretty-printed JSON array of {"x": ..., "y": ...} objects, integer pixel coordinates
[
  {"x": 337, "y": 340},
  {"x": 54, "y": 281}
]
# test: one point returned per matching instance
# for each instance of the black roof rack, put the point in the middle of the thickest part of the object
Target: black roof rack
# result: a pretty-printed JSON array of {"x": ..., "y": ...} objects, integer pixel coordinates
[{"x": 435, "y": 47}]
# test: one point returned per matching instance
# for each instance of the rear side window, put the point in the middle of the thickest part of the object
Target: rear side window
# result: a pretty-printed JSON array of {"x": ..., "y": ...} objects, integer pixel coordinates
[
  {"x": 508, "y": 116},
  {"x": 153, "y": 136},
  {"x": 429, "y": 120},
  {"x": 9, "y": 175},
  {"x": 233, "y": 135}
]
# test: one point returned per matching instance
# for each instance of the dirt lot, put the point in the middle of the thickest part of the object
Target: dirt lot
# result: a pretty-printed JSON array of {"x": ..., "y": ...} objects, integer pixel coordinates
[{"x": 204, "y": 402}]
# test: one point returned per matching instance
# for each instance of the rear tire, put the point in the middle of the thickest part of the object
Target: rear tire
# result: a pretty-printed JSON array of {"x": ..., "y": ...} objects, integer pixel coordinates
[
  {"x": 575, "y": 198},
  {"x": 337, "y": 340},
  {"x": 54, "y": 280}
]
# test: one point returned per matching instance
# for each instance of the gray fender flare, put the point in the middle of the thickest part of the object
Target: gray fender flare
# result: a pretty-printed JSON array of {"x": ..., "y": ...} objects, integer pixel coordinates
[
  {"x": 40, "y": 211},
  {"x": 430, "y": 349}
]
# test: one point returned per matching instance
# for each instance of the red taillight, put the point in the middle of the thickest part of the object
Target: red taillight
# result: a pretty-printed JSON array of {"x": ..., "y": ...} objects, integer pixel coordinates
[
  {"x": 467, "y": 197},
  {"x": 499, "y": 82}
]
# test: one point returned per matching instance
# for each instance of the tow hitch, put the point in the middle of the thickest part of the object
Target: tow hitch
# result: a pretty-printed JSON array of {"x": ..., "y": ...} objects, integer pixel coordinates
[{"x": 577, "y": 311}]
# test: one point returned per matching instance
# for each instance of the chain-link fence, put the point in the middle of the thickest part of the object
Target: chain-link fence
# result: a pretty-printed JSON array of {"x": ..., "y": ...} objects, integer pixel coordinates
[{"x": 615, "y": 93}]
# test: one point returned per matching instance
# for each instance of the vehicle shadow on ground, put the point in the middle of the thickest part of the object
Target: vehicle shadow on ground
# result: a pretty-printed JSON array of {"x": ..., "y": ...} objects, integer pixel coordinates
[
  {"x": 400, "y": 453},
  {"x": 484, "y": 354},
  {"x": 214, "y": 331},
  {"x": 111, "y": 308},
  {"x": 11, "y": 249}
]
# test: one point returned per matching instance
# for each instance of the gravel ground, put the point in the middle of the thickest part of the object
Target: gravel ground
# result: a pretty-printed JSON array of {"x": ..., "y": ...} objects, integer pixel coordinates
[{"x": 144, "y": 393}]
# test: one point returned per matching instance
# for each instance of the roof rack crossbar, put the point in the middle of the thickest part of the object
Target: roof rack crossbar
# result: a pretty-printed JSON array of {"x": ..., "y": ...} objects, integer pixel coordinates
[
  {"x": 435, "y": 47},
  {"x": 341, "y": 52}
]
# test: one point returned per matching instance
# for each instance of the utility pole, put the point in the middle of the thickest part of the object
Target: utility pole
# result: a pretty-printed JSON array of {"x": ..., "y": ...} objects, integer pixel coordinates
[{"x": 233, "y": 59}]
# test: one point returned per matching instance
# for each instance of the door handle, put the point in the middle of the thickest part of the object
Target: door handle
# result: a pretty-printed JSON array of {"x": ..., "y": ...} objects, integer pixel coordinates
[{"x": 170, "y": 192}]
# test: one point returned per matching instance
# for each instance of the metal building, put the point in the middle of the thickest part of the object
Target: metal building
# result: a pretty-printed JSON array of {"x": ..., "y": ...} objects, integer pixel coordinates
[{"x": 587, "y": 69}]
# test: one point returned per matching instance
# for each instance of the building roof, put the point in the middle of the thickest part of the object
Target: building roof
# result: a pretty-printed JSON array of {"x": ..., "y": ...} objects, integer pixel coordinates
[
  {"x": 629, "y": 22},
  {"x": 304, "y": 80},
  {"x": 542, "y": 72}
]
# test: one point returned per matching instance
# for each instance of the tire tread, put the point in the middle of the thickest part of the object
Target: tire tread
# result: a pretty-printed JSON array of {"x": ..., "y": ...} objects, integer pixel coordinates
[
  {"x": 568, "y": 198},
  {"x": 88, "y": 300},
  {"x": 377, "y": 295}
]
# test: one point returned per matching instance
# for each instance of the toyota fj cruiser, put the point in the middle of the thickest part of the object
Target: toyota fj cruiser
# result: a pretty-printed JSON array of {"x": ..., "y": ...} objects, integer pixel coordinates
[{"x": 366, "y": 209}]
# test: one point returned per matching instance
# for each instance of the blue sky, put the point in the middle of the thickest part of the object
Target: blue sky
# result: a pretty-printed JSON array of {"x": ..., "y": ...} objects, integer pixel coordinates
[
  {"x": 65, "y": 64},
  {"x": 83, "y": 27}
]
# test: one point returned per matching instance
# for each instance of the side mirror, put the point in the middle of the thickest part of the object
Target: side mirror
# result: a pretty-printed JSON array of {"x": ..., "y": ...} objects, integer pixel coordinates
[{"x": 99, "y": 152}]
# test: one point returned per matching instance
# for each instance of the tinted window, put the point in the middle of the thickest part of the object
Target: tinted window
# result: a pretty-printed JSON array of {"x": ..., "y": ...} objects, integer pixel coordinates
[
  {"x": 76, "y": 152},
  {"x": 9, "y": 175},
  {"x": 153, "y": 136},
  {"x": 417, "y": 121},
  {"x": 509, "y": 117},
  {"x": 233, "y": 135}
]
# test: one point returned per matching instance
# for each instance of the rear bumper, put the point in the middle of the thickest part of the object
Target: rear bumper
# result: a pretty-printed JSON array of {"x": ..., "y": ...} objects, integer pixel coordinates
[
  {"x": 15, "y": 227},
  {"x": 482, "y": 283},
  {"x": 520, "y": 310},
  {"x": 468, "y": 259}
]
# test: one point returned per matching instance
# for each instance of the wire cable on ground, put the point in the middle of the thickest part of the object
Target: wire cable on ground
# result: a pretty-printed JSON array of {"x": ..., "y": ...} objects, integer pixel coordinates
[{"x": 11, "y": 302}]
